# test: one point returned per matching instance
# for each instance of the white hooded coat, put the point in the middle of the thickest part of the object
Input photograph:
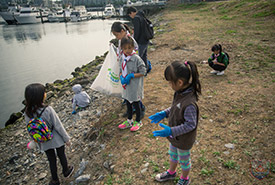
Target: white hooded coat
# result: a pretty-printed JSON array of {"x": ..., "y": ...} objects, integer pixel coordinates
[{"x": 81, "y": 98}]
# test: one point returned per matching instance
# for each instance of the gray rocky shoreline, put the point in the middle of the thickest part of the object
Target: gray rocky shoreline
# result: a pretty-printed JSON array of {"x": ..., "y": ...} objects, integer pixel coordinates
[
  {"x": 25, "y": 166},
  {"x": 20, "y": 165}
]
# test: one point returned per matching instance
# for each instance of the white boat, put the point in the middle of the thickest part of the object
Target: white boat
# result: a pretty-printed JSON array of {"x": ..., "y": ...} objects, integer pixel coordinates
[
  {"x": 109, "y": 10},
  {"x": 79, "y": 14},
  {"x": 56, "y": 17},
  {"x": 8, "y": 15},
  {"x": 28, "y": 15}
]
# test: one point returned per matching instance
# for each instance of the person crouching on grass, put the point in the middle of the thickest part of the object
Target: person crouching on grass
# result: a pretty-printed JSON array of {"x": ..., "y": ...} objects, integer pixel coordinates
[
  {"x": 183, "y": 119},
  {"x": 218, "y": 60}
]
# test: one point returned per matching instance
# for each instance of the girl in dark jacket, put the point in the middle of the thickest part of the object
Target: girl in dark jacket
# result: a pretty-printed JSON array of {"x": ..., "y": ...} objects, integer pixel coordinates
[{"x": 182, "y": 118}]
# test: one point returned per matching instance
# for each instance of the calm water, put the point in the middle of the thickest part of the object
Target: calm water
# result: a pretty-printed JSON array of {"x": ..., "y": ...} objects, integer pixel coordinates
[{"x": 44, "y": 53}]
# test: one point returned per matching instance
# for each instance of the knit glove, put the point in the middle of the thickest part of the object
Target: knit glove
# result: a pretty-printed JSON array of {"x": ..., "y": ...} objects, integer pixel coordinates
[
  {"x": 129, "y": 77},
  {"x": 157, "y": 117},
  {"x": 163, "y": 133},
  {"x": 122, "y": 80}
]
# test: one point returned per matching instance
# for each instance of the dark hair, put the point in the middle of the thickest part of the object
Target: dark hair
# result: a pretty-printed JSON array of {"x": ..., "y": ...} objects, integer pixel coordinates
[
  {"x": 127, "y": 40},
  {"x": 181, "y": 70},
  {"x": 34, "y": 96},
  {"x": 131, "y": 9},
  {"x": 217, "y": 47},
  {"x": 119, "y": 26}
]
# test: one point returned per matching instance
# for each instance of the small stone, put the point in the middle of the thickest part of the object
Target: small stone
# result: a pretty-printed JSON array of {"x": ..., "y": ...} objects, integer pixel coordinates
[
  {"x": 143, "y": 171},
  {"x": 229, "y": 145},
  {"x": 211, "y": 120},
  {"x": 82, "y": 167},
  {"x": 102, "y": 146},
  {"x": 83, "y": 178},
  {"x": 112, "y": 168},
  {"x": 98, "y": 113},
  {"x": 101, "y": 177},
  {"x": 106, "y": 165},
  {"x": 226, "y": 153},
  {"x": 26, "y": 178},
  {"x": 42, "y": 176},
  {"x": 146, "y": 165}
]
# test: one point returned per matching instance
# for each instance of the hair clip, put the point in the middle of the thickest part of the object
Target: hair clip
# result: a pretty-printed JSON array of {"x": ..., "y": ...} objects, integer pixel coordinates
[{"x": 186, "y": 63}]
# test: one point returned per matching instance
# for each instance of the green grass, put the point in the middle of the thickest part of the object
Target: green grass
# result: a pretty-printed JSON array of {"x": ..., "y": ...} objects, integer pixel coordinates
[
  {"x": 225, "y": 17},
  {"x": 230, "y": 164},
  {"x": 216, "y": 153},
  {"x": 264, "y": 14},
  {"x": 206, "y": 171},
  {"x": 231, "y": 32},
  {"x": 109, "y": 180}
]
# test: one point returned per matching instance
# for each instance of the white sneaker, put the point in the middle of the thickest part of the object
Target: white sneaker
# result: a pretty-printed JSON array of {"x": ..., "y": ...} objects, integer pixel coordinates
[
  {"x": 220, "y": 73},
  {"x": 214, "y": 72}
]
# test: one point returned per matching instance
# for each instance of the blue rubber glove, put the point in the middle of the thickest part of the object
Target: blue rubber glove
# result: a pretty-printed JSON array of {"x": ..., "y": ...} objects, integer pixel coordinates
[
  {"x": 157, "y": 117},
  {"x": 129, "y": 77},
  {"x": 74, "y": 112},
  {"x": 163, "y": 133},
  {"x": 122, "y": 80}
]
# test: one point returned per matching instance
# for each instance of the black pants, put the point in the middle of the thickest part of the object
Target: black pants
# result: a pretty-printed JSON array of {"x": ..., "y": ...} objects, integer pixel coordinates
[
  {"x": 216, "y": 66},
  {"x": 52, "y": 160},
  {"x": 136, "y": 105}
]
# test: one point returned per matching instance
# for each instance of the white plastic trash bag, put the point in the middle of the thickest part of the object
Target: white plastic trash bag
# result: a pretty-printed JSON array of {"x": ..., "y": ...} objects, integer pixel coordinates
[{"x": 107, "y": 80}]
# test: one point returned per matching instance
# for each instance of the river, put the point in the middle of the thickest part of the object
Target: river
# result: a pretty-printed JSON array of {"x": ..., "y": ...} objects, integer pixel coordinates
[{"x": 44, "y": 53}]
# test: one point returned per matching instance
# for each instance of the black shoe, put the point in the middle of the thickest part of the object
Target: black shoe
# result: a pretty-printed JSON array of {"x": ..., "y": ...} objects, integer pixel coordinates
[
  {"x": 70, "y": 171},
  {"x": 53, "y": 182}
]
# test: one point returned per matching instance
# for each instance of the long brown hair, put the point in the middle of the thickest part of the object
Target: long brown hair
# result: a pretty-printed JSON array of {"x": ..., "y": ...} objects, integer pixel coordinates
[{"x": 34, "y": 96}]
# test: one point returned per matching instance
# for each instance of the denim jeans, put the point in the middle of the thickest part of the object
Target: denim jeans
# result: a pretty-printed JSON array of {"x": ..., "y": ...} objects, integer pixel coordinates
[{"x": 142, "y": 52}]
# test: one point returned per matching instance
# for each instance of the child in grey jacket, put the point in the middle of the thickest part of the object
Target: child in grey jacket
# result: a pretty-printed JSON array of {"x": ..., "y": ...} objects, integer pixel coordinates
[
  {"x": 132, "y": 71},
  {"x": 80, "y": 99},
  {"x": 35, "y": 96}
]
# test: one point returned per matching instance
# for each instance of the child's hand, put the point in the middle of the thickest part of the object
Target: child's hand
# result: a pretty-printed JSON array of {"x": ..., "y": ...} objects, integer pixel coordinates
[
  {"x": 157, "y": 117},
  {"x": 122, "y": 80},
  {"x": 163, "y": 133},
  {"x": 74, "y": 112},
  {"x": 68, "y": 143},
  {"x": 129, "y": 77}
]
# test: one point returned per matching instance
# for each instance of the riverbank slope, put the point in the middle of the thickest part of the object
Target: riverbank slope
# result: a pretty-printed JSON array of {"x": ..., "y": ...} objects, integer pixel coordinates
[{"x": 236, "y": 108}]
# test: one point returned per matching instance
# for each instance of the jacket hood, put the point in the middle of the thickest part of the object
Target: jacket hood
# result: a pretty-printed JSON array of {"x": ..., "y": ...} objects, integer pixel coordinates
[
  {"x": 140, "y": 13},
  {"x": 77, "y": 88}
]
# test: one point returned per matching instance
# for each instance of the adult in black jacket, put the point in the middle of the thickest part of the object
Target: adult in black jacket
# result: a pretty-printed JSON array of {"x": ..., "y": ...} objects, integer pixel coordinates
[{"x": 139, "y": 33}]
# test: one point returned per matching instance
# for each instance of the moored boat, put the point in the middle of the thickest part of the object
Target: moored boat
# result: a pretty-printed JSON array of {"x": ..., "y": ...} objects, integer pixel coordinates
[
  {"x": 8, "y": 16},
  {"x": 28, "y": 15}
]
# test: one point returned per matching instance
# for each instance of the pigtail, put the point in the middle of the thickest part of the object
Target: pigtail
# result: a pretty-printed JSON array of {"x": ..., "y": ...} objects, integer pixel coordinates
[
  {"x": 127, "y": 28},
  {"x": 220, "y": 46},
  {"x": 195, "y": 82}
]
